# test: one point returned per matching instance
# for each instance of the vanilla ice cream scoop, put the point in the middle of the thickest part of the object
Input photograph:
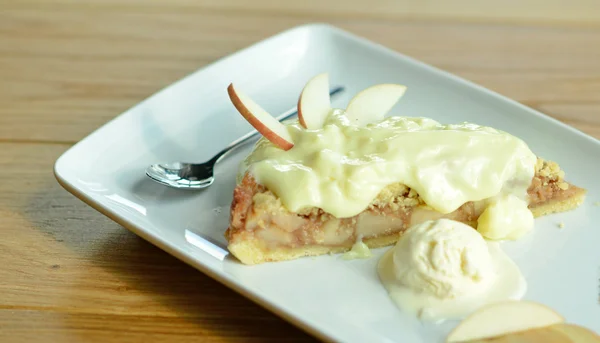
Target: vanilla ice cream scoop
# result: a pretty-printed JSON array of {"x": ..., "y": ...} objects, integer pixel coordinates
[
  {"x": 444, "y": 258},
  {"x": 445, "y": 269}
]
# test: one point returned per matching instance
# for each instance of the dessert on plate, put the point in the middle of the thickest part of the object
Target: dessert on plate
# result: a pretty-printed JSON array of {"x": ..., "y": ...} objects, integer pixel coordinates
[{"x": 319, "y": 184}]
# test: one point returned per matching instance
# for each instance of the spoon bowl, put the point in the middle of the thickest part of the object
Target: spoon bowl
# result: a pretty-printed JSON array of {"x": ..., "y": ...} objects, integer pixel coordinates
[{"x": 182, "y": 175}]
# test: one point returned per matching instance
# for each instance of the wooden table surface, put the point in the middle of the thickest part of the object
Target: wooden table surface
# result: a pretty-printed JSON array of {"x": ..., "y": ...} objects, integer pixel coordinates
[{"x": 67, "y": 66}]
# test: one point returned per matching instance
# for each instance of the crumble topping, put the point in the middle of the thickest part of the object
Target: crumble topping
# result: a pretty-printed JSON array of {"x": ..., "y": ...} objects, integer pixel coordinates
[
  {"x": 397, "y": 196},
  {"x": 551, "y": 172},
  {"x": 267, "y": 202}
]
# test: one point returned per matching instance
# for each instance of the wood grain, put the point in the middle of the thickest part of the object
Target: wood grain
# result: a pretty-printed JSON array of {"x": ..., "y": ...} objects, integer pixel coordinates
[
  {"x": 68, "y": 66},
  {"x": 69, "y": 82},
  {"x": 572, "y": 12}
]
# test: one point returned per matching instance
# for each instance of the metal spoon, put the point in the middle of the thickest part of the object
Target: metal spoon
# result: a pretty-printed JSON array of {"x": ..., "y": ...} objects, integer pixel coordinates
[{"x": 201, "y": 175}]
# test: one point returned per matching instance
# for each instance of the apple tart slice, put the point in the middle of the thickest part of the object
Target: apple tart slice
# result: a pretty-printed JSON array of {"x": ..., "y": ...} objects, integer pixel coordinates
[{"x": 335, "y": 177}]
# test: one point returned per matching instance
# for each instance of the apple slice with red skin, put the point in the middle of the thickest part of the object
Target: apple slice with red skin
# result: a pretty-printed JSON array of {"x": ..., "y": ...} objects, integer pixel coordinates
[
  {"x": 261, "y": 120},
  {"x": 314, "y": 105},
  {"x": 373, "y": 103}
]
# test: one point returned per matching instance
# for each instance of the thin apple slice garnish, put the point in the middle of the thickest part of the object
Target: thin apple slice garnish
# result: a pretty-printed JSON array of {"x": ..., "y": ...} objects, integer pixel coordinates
[
  {"x": 503, "y": 318},
  {"x": 557, "y": 333},
  {"x": 260, "y": 119},
  {"x": 314, "y": 105},
  {"x": 373, "y": 103}
]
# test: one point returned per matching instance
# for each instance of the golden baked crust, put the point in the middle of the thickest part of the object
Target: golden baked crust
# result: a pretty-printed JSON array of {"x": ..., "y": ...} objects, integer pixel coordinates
[{"x": 262, "y": 230}]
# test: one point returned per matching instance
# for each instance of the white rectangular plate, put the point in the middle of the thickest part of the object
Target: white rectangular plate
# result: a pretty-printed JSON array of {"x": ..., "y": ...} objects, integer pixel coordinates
[{"x": 327, "y": 296}]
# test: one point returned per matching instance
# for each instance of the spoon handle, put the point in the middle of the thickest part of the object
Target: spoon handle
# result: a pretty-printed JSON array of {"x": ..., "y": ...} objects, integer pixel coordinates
[{"x": 245, "y": 138}]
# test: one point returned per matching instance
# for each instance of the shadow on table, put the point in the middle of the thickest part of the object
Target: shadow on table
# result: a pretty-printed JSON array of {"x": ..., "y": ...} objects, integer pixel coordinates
[{"x": 144, "y": 270}]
